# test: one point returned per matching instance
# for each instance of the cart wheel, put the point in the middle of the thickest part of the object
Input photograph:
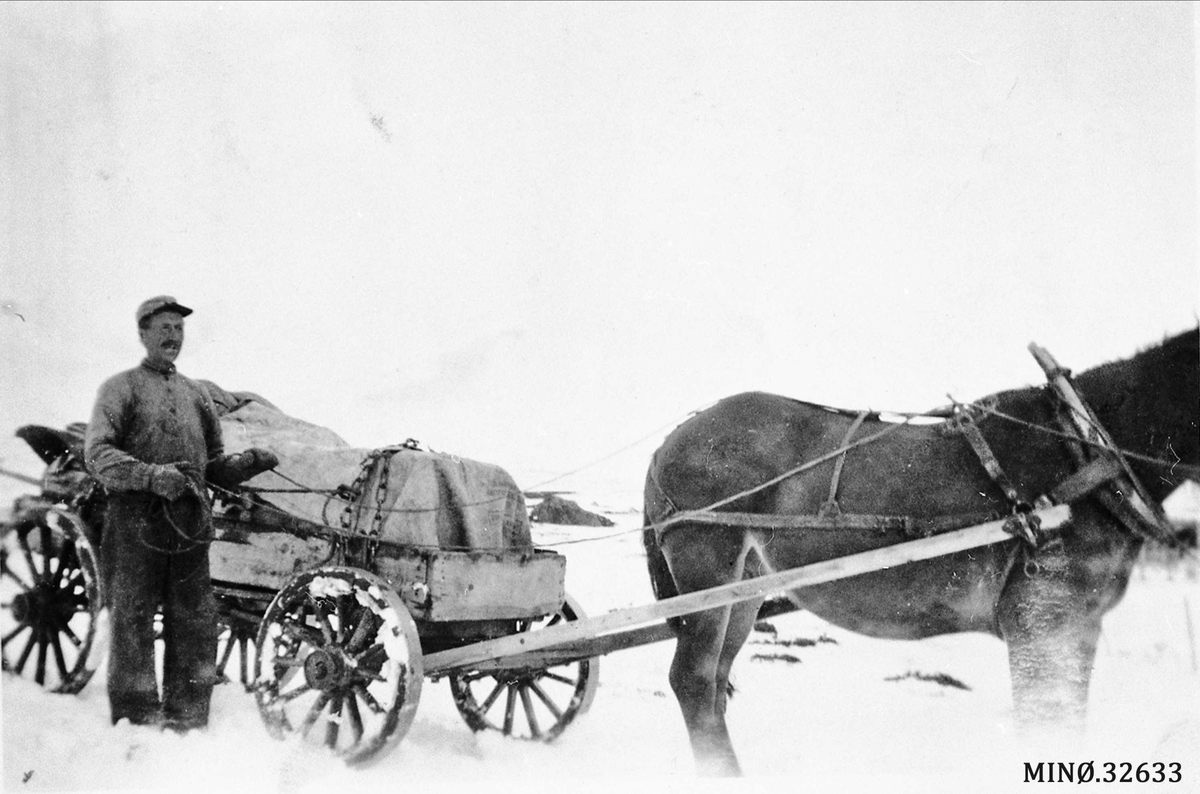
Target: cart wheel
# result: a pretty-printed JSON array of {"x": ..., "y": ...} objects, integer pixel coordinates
[
  {"x": 237, "y": 632},
  {"x": 339, "y": 663},
  {"x": 536, "y": 704},
  {"x": 50, "y": 599}
]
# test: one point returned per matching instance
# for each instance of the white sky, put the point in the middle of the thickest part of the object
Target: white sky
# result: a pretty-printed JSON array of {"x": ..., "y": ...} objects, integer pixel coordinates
[{"x": 533, "y": 234}]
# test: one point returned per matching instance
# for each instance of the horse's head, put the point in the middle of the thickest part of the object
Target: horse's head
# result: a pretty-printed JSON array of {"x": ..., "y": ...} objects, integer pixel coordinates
[{"x": 1150, "y": 404}]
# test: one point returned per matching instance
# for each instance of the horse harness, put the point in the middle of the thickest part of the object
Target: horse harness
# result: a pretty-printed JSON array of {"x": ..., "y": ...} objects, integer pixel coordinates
[{"x": 1100, "y": 463}]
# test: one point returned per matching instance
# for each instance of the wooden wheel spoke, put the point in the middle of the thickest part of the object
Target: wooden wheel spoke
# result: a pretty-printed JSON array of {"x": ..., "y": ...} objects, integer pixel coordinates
[
  {"x": 58, "y": 657},
  {"x": 40, "y": 674},
  {"x": 33, "y": 635},
  {"x": 226, "y": 652},
  {"x": 302, "y": 633},
  {"x": 368, "y": 676},
  {"x": 343, "y": 616},
  {"x": 368, "y": 698},
  {"x": 510, "y": 708},
  {"x": 65, "y": 555},
  {"x": 47, "y": 557},
  {"x": 370, "y": 653},
  {"x": 362, "y": 629},
  {"x": 10, "y": 573},
  {"x": 29, "y": 561},
  {"x": 491, "y": 698},
  {"x": 527, "y": 703},
  {"x": 290, "y": 695},
  {"x": 559, "y": 677},
  {"x": 314, "y": 713},
  {"x": 471, "y": 677},
  {"x": 288, "y": 661},
  {"x": 71, "y": 635},
  {"x": 326, "y": 625},
  {"x": 356, "y": 722},
  {"x": 12, "y": 634},
  {"x": 244, "y": 659},
  {"x": 333, "y": 722},
  {"x": 542, "y": 696}
]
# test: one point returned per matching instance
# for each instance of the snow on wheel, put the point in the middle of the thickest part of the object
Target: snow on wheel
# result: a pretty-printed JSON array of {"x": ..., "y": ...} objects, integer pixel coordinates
[
  {"x": 529, "y": 703},
  {"x": 50, "y": 601},
  {"x": 339, "y": 663}
]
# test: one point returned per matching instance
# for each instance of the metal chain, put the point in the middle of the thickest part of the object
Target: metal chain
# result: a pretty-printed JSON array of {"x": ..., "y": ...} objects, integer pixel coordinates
[
  {"x": 381, "y": 494},
  {"x": 352, "y": 494}
]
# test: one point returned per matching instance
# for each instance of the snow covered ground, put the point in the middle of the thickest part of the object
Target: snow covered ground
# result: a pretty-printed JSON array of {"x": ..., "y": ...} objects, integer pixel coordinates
[{"x": 853, "y": 714}]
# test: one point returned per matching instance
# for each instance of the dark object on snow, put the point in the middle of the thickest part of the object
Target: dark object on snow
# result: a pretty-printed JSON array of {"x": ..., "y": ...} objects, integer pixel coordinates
[
  {"x": 936, "y": 678},
  {"x": 556, "y": 510}
]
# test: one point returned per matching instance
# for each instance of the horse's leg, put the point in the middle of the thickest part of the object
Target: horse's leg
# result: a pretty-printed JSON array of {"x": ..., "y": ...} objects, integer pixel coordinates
[
  {"x": 742, "y": 617},
  {"x": 1051, "y": 636},
  {"x": 707, "y": 558}
]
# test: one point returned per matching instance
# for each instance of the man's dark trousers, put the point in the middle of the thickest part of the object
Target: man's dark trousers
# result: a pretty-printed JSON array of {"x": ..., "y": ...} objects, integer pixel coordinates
[{"x": 155, "y": 554}]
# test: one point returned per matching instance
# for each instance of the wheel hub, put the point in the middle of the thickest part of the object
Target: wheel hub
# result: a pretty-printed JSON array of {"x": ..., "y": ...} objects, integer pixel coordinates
[
  {"x": 42, "y": 604},
  {"x": 324, "y": 669},
  {"x": 25, "y": 607}
]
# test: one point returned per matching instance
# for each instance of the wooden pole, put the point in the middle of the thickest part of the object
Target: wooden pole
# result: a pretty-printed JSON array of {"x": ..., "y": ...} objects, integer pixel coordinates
[
  {"x": 830, "y": 570},
  {"x": 1090, "y": 428},
  {"x": 21, "y": 477}
]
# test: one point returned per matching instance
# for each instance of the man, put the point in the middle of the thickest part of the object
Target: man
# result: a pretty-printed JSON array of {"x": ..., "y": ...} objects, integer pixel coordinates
[{"x": 153, "y": 441}]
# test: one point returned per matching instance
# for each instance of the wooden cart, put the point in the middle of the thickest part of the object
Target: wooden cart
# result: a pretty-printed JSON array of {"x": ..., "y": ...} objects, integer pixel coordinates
[{"x": 328, "y": 631}]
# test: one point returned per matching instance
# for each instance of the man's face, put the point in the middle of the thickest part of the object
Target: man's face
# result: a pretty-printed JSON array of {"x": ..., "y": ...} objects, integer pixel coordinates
[{"x": 163, "y": 337}]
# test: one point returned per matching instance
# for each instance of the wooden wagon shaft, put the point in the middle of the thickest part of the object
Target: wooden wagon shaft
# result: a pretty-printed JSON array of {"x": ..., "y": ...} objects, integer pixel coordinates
[
  {"x": 577, "y": 650},
  {"x": 25, "y": 478},
  {"x": 594, "y": 629},
  {"x": 608, "y": 643}
]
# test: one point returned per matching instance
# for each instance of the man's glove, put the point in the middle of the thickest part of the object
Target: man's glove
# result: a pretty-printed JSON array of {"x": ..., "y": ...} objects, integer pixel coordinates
[
  {"x": 168, "y": 482},
  {"x": 264, "y": 460},
  {"x": 235, "y": 469}
]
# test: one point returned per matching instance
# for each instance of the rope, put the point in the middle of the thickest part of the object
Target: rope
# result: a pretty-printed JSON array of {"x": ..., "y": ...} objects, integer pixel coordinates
[
  {"x": 812, "y": 463},
  {"x": 628, "y": 446},
  {"x": 1171, "y": 464},
  {"x": 335, "y": 494}
]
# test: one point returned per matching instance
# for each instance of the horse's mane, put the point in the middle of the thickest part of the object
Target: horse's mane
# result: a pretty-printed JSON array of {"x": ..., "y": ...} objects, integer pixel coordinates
[{"x": 1156, "y": 366}]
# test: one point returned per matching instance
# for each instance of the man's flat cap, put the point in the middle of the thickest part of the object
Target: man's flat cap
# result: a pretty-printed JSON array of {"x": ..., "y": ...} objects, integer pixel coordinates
[{"x": 162, "y": 303}]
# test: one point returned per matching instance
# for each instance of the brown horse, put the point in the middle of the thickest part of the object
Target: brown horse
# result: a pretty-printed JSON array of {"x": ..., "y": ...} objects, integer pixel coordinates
[{"x": 1045, "y": 603}]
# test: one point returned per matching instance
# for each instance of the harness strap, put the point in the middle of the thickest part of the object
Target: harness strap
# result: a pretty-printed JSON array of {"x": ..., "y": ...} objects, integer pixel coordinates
[
  {"x": 1089, "y": 478},
  {"x": 988, "y": 459},
  {"x": 908, "y": 526},
  {"x": 831, "y": 507}
]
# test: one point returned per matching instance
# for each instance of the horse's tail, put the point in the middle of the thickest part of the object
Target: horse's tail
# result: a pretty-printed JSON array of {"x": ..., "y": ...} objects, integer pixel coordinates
[{"x": 661, "y": 580}]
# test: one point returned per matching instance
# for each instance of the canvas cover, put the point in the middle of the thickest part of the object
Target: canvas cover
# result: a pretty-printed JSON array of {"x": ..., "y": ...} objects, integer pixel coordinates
[{"x": 431, "y": 499}]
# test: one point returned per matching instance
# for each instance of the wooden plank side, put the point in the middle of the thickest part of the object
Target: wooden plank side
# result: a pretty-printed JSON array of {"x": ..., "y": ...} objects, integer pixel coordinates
[
  {"x": 485, "y": 586},
  {"x": 817, "y": 573},
  {"x": 407, "y": 572},
  {"x": 441, "y": 585},
  {"x": 264, "y": 559}
]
